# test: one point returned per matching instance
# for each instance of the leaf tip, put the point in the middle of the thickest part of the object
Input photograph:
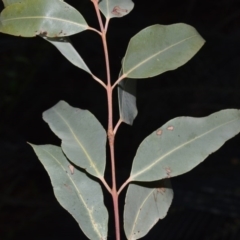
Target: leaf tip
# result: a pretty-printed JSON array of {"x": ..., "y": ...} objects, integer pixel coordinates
[{"x": 30, "y": 144}]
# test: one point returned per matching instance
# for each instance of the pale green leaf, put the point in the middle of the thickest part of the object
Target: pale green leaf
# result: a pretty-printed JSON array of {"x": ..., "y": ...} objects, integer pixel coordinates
[
  {"x": 127, "y": 100},
  {"x": 81, "y": 196},
  {"x": 83, "y": 137},
  {"x": 115, "y": 8},
  {"x": 64, "y": 45},
  {"x": 9, "y": 2},
  {"x": 144, "y": 206},
  {"x": 42, "y": 17},
  {"x": 182, "y": 143},
  {"x": 159, "y": 48}
]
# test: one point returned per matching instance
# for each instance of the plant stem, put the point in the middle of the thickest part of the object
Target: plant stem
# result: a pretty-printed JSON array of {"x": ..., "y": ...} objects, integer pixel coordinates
[
  {"x": 114, "y": 189},
  {"x": 117, "y": 126},
  {"x": 124, "y": 185},
  {"x": 118, "y": 80},
  {"x": 99, "y": 81},
  {"x": 106, "y": 185},
  {"x": 95, "y": 30},
  {"x": 106, "y": 24},
  {"x": 111, "y": 134}
]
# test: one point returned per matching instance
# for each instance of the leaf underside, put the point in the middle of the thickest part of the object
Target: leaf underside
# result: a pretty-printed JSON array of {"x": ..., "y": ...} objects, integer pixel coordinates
[
  {"x": 145, "y": 204},
  {"x": 80, "y": 195},
  {"x": 83, "y": 137},
  {"x": 115, "y": 8},
  {"x": 64, "y": 45},
  {"x": 182, "y": 143},
  {"x": 53, "y": 18},
  {"x": 127, "y": 100},
  {"x": 159, "y": 48}
]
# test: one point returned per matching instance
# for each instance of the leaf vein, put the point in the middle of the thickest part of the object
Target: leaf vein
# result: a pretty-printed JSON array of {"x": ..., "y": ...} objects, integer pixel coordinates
[{"x": 53, "y": 18}]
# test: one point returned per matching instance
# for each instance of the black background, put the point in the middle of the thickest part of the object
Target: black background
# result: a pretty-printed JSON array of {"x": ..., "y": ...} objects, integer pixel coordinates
[{"x": 34, "y": 76}]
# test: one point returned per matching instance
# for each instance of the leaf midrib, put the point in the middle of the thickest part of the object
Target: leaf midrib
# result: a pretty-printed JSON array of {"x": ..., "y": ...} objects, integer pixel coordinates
[
  {"x": 154, "y": 55},
  {"x": 52, "y": 18}
]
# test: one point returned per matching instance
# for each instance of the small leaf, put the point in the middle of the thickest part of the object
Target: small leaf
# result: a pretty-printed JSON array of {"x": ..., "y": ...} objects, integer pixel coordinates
[
  {"x": 64, "y": 45},
  {"x": 144, "y": 206},
  {"x": 83, "y": 137},
  {"x": 127, "y": 100},
  {"x": 81, "y": 196},
  {"x": 182, "y": 143},
  {"x": 53, "y": 18},
  {"x": 115, "y": 8},
  {"x": 159, "y": 48}
]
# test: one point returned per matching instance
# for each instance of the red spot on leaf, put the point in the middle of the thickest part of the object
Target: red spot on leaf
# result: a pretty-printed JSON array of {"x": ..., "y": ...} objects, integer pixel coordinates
[
  {"x": 168, "y": 172},
  {"x": 119, "y": 11}
]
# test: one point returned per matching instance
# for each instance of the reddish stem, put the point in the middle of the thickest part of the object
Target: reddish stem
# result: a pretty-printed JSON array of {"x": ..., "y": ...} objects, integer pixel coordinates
[
  {"x": 111, "y": 133},
  {"x": 117, "y": 125},
  {"x": 118, "y": 81}
]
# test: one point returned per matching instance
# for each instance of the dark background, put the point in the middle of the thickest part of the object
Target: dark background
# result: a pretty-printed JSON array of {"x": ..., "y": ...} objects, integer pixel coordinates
[{"x": 34, "y": 76}]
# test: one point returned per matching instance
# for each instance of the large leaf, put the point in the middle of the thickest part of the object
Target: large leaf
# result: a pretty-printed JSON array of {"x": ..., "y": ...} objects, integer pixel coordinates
[
  {"x": 115, "y": 8},
  {"x": 64, "y": 45},
  {"x": 159, "y": 48},
  {"x": 127, "y": 100},
  {"x": 83, "y": 137},
  {"x": 81, "y": 196},
  {"x": 182, "y": 143},
  {"x": 144, "y": 206},
  {"x": 53, "y": 18}
]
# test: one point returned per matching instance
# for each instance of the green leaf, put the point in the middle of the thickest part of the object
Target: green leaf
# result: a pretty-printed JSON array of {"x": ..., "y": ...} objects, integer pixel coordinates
[
  {"x": 159, "y": 48},
  {"x": 41, "y": 17},
  {"x": 9, "y": 2},
  {"x": 64, "y": 45},
  {"x": 115, "y": 8},
  {"x": 182, "y": 143},
  {"x": 144, "y": 206},
  {"x": 127, "y": 100},
  {"x": 83, "y": 137},
  {"x": 81, "y": 196}
]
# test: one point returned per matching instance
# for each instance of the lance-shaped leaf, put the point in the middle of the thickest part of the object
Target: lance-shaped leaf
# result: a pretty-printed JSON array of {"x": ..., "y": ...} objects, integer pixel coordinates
[
  {"x": 127, "y": 100},
  {"x": 144, "y": 206},
  {"x": 83, "y": 137},
  {"x": 53, "y": 18},
  {"x": 115, "y": 8},
  {"x": 64, "y": 45},
  {"x": 159, "y": 48},
  {"x": 182, "y": 143},
  {"x": 81, "y": 196}
]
